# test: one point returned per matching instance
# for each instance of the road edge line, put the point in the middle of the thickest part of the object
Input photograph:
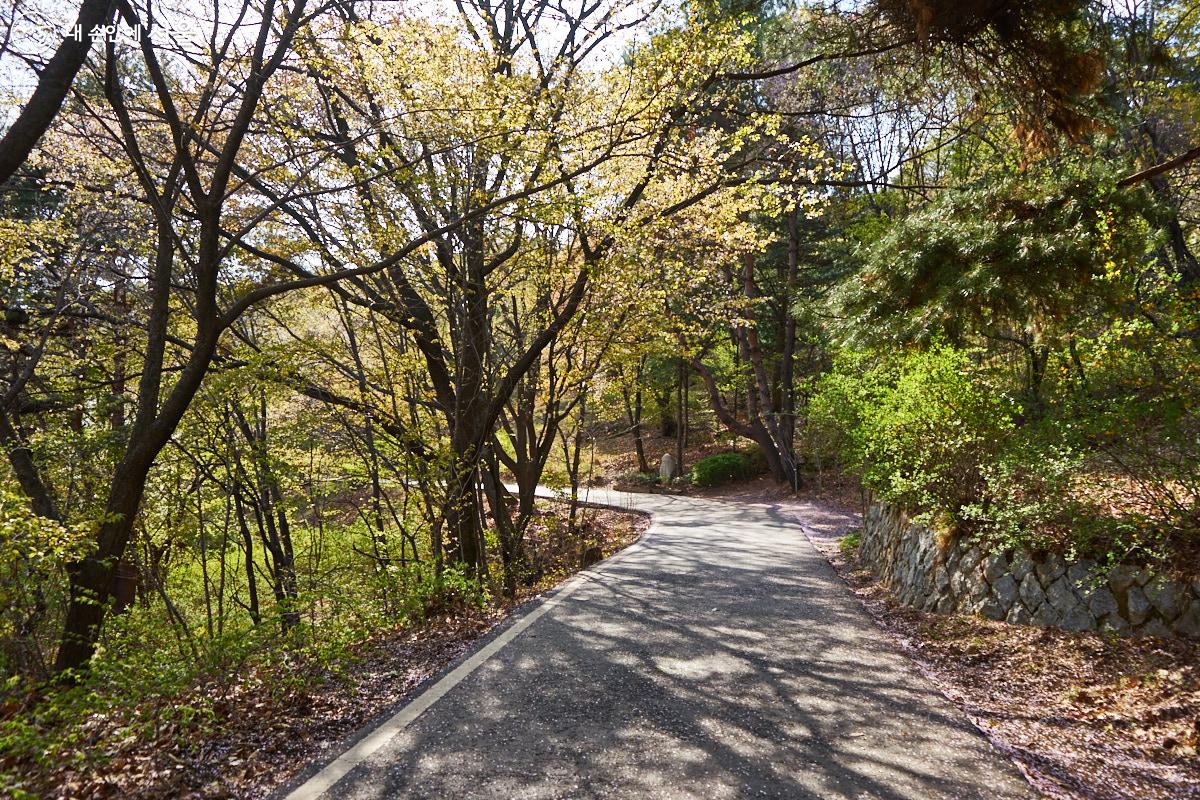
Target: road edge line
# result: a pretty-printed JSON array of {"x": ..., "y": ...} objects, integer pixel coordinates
[{"x": 329, "y": 775}]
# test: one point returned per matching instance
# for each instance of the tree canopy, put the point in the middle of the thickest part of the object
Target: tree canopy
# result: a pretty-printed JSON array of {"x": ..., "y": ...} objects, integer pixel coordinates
[{"x": 303, "y": 300}]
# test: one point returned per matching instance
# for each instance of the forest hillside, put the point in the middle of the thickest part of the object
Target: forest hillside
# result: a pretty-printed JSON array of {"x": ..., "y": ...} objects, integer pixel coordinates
[{"x": 303, "y": 300}]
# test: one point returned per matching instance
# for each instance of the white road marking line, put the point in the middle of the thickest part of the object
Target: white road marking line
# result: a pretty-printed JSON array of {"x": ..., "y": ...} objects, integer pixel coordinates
[
  {"x": 334, "y": 771},
  {"x": 315, "y": 786}
]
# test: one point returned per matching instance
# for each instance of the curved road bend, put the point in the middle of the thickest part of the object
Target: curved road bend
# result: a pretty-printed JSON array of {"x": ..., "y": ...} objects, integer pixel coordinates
[{"x": 719, "y": 657}]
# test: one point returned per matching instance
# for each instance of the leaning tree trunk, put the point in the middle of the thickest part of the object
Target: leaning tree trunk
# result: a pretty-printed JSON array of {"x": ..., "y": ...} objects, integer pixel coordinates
[
  {"x": 510, "y": 535},
  {"x": 762, "y": 421},
  {"x": 761, "y": 412},
  {"x": 91, "y": 578}
]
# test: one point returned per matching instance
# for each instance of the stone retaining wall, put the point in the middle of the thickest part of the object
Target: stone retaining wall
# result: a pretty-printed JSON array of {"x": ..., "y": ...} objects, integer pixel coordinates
[{"x": 932, "y": 575}]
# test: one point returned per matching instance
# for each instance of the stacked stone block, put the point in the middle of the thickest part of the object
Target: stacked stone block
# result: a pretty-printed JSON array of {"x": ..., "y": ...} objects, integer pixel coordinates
[{"x": 1018, "y": 587}]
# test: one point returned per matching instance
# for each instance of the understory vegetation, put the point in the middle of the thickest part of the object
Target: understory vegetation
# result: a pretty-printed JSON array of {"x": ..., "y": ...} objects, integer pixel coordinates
[
  {"x": 1043, "y": 391},
  {"x": 300, "y": 311},
  {"x": 722, "y": 468}
]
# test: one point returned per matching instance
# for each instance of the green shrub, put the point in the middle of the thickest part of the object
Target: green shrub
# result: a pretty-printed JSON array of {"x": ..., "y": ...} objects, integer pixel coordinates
[
  {"x": 756, "y": 462},
  {"x": 446, "y": 593},
  {"x": 1028, "y": 500},
  {"x": 721, "y": 468},
  {"x": 636, "y": 478},
  {"x": 921, "y": 429}
]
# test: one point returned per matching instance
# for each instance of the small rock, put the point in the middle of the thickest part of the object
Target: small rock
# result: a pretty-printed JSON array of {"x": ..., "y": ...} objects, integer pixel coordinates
[
  {"x": 979, "y": 588},
  {"x": 1050, "y": 569},
  {"x": 959, "y": 583},
  {"x": 1046, "y": 614},
  {"x": 1115, "y": 623},
  {"x": 946, "y": 605},
  {"x": 668, "y": 468},
  {"x": 1081, "y": 573},
  {"x": 1031, "y": 592},
  {"x": 1154, "y": 628},
  {"x": 1137, "y": 607},
  {"x": 990, "y": 608},
  {"x": 1021, "y": 565},
  {"x": 1188, "y": 623},
  {"x": 970, "y": 559},
  {"x": 994, "y": 566},
  {"x": 1006, "y": 591},
  {"x": 928, "y": 558},
  {"x": 1121, "y": 577},
  {"x": 1059, "y": 595},
  {"x": 1164, "y": 595},
  {"x": 941, "y": 580},
  {"x": 1101, "y": 602},
  {"x": 1019, "y": 615},
  {"x": 1078, "y": 619}
]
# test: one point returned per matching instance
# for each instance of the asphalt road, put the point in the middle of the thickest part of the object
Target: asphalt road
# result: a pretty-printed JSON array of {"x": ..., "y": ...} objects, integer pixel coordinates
[{"x": 719, "y": 657}]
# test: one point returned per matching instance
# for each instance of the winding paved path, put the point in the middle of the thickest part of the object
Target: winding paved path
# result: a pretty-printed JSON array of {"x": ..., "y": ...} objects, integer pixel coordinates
[{"x": 719, "y": 657}]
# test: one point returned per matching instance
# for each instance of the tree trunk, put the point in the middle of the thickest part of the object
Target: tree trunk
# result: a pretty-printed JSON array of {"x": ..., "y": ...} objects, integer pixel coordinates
[
  {"x": 666, "y": 418},
  {"x": 463, "y": 532},
  {"x": 248, "y": 546},
  {"x": 787, "y": 366},
  {"x": 91, "y": 578},
  {"x": 681, "y": 429},
  {"x": 633, "y": 409},
  {"x": 512, "y": 555}
]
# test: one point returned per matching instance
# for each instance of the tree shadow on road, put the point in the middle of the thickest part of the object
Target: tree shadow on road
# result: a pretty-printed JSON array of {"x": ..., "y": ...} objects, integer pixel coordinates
[{"x": 719, "y": 657}]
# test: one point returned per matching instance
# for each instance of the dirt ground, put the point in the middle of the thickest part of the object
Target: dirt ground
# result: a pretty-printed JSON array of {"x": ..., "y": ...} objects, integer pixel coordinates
[
  {"x": 257, "y": 733},
  {"x": 1083, "y": 715}
]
